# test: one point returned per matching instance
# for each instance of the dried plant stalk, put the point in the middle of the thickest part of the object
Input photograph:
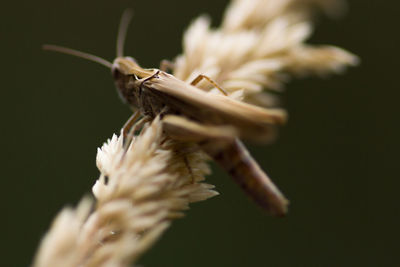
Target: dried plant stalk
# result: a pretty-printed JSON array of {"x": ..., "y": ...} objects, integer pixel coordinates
[{"x": 143, "y": 187}]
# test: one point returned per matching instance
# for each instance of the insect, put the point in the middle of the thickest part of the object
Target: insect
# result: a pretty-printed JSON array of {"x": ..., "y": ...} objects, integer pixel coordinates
[{"x": 215, "y": 122}]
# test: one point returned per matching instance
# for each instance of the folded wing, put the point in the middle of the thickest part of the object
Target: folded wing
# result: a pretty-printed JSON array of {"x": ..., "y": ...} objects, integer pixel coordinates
[{"x": 251, "y": 122}]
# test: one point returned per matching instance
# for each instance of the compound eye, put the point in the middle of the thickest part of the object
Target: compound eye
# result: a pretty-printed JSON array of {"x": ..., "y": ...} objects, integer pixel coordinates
[{"x": 115, "y": 72}]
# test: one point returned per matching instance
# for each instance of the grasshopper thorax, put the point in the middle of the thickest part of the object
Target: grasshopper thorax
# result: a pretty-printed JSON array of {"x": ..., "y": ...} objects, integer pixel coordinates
[{"x": 128, "y": 76}]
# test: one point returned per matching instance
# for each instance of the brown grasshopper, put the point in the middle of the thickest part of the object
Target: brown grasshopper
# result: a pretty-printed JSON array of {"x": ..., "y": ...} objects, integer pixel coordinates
[{"x": 214, "y": 122}]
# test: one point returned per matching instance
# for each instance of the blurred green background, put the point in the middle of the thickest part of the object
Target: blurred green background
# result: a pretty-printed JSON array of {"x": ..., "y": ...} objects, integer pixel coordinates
[{"x": 336, "y": 160}]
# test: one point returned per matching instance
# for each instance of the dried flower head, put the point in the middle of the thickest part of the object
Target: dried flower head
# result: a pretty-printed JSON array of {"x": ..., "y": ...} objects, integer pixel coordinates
[
  {"x": 140, "y": 190},
  {"x": 259, "y": 43}
]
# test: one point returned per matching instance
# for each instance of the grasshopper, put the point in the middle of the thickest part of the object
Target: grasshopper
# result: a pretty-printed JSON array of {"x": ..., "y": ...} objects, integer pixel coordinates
[{"x": 215, "y": 122}]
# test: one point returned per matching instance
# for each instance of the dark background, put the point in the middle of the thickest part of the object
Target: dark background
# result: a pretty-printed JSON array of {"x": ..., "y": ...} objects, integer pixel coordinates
[{"x": 336, "y": 160}]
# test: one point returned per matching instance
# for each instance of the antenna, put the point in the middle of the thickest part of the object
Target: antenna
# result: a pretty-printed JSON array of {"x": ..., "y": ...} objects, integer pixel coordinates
[
  {"x": 77, "y": 53},
  {"x": 122, "y": 30}
]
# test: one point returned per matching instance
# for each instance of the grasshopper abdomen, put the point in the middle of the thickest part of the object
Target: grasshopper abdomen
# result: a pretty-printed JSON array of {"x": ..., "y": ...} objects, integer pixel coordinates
[{"x": 245, "y": 171}]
